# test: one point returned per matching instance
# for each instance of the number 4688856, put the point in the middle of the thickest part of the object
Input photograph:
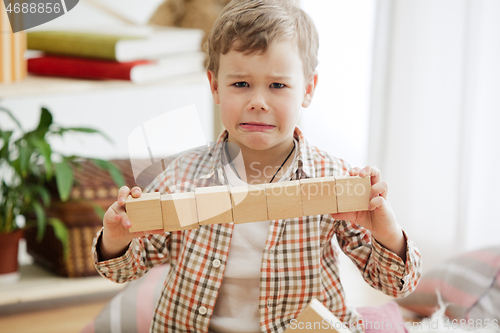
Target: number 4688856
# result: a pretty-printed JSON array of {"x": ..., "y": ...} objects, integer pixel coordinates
[{"x": 34, "y": 8}]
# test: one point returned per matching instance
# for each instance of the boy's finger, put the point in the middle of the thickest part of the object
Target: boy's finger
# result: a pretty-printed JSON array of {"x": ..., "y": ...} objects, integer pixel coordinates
[
  {"x": 136, "y": 191},
  {"x": 124, "y": 219},
  {"x": 376, "y": 175},
  {"x": 123, "y": 194},
  {"x": 379, "y": 189},
  {"x": 111, "y": 215},
  {"x": 120, "y": 215},
  {"x": 373, "y": 172},
  {"x": 377, "y": 203},
  {"x": 126, "y": 223},
  {"x": 366, "y": 171},
  {"x": 117, "y": 208},
  {"x": 354, "y": 171}
]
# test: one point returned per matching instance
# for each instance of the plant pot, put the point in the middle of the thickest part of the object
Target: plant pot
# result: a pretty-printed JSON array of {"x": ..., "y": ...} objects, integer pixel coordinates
[{"x": 9, "y": 246}]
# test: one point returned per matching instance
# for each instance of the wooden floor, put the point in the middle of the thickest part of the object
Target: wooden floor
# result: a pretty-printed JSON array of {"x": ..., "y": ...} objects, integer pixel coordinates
[{"x": 69, "y": 319}]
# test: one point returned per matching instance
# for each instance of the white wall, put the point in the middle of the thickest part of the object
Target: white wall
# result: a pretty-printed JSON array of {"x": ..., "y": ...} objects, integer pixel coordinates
[{"x": 115, "y": 112}]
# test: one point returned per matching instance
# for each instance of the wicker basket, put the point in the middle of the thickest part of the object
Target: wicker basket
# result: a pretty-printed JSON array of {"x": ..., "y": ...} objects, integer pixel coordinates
[{"x": 93, "y": 186}]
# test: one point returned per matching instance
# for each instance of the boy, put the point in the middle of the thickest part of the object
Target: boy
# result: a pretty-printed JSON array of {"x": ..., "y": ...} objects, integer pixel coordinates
[{"x": 258, "y": 276}]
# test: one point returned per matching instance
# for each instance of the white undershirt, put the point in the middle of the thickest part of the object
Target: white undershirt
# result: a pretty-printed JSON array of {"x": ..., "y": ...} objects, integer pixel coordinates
[{"x": 237, "y": 306}]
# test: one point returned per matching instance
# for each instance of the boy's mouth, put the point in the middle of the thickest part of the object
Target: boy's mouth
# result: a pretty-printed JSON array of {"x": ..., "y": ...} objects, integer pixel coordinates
[{"x": 260, "y": 127}]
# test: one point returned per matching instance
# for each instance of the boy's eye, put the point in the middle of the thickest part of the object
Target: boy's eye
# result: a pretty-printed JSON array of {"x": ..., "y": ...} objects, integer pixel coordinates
[
  {"x": 240, "y": 84},
  {"x": 277, "y": 85}
]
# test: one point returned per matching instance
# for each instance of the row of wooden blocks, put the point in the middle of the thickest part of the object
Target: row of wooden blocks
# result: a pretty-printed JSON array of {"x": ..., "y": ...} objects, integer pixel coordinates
[
  {"x": 316, "y": 317},
  {"x": 252, "y": 203}
]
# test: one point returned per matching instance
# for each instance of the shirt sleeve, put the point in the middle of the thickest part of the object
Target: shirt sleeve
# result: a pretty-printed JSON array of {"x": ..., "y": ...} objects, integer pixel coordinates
[
  {"x": 381, "y": 268},
  {"x": 142, "y": 254}
]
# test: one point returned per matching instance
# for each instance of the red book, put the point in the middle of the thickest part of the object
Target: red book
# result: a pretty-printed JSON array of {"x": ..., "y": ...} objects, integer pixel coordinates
[{"x": 136, "y": 71}]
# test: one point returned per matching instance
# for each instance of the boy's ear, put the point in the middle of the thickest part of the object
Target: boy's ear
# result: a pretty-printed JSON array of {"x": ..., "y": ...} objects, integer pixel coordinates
[
  {"x": 310, "y": 88},
  {"x": 214, "y": 86}
]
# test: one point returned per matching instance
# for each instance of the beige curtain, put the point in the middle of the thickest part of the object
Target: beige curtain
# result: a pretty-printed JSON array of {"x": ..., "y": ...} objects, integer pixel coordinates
[{"x": 435, "y": 120}]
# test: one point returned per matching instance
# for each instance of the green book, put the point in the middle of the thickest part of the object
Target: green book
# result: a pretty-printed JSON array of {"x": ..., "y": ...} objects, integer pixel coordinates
[{"x": 158, "y": 43}]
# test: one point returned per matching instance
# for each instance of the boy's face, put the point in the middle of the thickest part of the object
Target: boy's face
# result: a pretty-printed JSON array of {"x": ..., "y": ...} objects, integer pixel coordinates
[{"x": 260, "y": 95}]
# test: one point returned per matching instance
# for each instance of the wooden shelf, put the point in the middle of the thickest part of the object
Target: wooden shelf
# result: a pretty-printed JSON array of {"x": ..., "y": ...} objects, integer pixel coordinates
[
  {"x": 39, "y": 287},
  {"x": 45, "y": 85}
]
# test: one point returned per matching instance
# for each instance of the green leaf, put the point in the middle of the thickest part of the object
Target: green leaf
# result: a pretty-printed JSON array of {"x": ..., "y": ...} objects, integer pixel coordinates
[
  {"x": 15, "y": 165},
  {"x": 24, "y": 159},
  {"x": 64, "y": 179},
  {"x": 41, "y": 218},
  {"x": 5, "y": 137},
  {"x": 46, "y": 152},
  {"x": 113, "y": 170},
  {"x": 62, "y": 234},
  {"x": 44, "y": 194},
  {"x": 45, "y": 122},
  {"x": 12, "y": 117},
  {"x": 26, "y": 197},
  {"x": 7, "y": 213},
  {"x": 61, "y": 131},
  {"x": 79, "y": 129}
]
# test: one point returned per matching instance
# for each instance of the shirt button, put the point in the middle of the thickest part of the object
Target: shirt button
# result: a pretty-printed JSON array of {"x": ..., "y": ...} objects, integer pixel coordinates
[
  {"x": 395, "y": 267},
  {"x": 202, "y": 310},
  {"x": 216, "y": 263}
]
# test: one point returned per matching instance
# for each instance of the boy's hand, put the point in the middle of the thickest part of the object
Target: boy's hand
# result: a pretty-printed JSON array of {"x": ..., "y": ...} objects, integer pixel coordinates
[
  {"x": 116, "y": 236},
  {"x": 380, "y": 218}
]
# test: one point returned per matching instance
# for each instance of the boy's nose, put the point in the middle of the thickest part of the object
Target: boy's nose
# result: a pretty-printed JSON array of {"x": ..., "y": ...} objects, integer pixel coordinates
[{"x": 257, "y": 102}]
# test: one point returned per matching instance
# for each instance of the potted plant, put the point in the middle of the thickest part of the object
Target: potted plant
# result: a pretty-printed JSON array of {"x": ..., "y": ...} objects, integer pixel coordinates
[{"x": 28, "y": 168}]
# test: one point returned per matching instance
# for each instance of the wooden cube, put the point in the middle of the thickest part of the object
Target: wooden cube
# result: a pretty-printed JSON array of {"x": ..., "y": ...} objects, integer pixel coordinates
[
  {"x": 353, "y": 193},
  {"x": 179, "y": 211},
  {"x": 316, "y": 317},
  {"x": 318, "y": 196},
  {"x": 284, "y": 200},
  {"x": 213, "y": 205},
  {"x": 249, "y": 203},
  {"x": 144, "y": 212}
]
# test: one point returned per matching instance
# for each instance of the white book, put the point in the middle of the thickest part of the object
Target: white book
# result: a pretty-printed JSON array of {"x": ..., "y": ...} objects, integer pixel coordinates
[
  {"x": 171, "y": 66},
  {"x": 162, "y": 40}
]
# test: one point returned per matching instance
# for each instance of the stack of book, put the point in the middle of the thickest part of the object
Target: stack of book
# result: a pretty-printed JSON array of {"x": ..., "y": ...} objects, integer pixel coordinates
[{"x": 141, "y": 55}]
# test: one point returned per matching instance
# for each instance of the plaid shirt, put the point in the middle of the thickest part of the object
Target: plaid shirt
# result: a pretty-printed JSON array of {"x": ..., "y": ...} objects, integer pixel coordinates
[{"x": 299, "y": 259}]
